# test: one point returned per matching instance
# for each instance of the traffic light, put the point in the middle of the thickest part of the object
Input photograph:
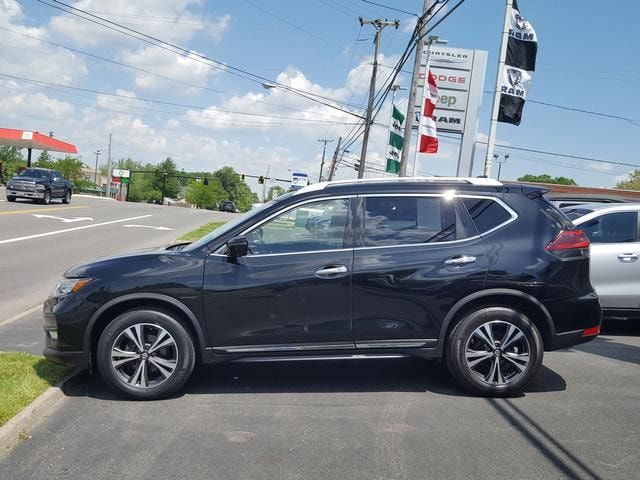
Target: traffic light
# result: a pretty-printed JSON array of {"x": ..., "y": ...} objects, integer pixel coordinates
[
  {"x": 242, "y": 176},
  {"x": 206, "y": 181},
  {"x": 260, "y": 179},
  {"x": 356, "y": 167}
]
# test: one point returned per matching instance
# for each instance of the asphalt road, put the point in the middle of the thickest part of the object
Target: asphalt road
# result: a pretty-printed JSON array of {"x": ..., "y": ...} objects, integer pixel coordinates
[
  {"x": 36, "y": 249},
  {"x": 377, "y": 419}
]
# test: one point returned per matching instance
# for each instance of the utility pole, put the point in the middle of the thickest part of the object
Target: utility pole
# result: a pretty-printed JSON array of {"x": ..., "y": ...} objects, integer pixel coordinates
[
  {"x": 324, "y": 148},
  {"x": 95, "y": 173},
  {"x": 109, "y": 169},
  {"x": 264, "y": 185},
  {"x": 422, "y": 21},
  {"x": 379, "y": 24},
  {"x": 334, "y": 160}
]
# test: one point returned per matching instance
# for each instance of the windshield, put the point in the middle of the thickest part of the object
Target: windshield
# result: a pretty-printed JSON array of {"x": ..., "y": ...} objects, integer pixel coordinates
[
  {"x": 220, "y": 231},
  {"x": 34, "y": 173}
]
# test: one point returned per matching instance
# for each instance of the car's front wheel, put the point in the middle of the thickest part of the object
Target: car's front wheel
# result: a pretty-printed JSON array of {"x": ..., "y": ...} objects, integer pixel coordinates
[
  {"x": 46, "y": 199},
  {"x": 67, "y": 197},
  {"x": 11, "y": 198},
  {"x": 494, "y": 351},
  {"x": 145, "y": 354}
]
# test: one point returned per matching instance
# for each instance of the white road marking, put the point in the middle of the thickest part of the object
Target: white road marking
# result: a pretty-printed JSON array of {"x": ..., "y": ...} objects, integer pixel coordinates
[
  {"x": 63, "y": 219},
  {"x": 17, "y": 317},
  {"x": 148, "y": 226},
  {"x": 55, "y": 232}
]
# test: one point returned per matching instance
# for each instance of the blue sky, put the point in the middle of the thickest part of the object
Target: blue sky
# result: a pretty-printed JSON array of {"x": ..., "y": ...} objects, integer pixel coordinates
[{"x": 587, "y": 59}]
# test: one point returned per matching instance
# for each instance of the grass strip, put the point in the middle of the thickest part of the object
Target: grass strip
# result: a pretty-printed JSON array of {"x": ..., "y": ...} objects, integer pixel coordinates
[
  {"x": 200, "y": 232},
  {"x": 23, "y": 377}
]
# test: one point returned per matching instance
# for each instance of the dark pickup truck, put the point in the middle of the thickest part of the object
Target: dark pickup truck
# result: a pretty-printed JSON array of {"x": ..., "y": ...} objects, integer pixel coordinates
[{"x": 40, "y": 185}]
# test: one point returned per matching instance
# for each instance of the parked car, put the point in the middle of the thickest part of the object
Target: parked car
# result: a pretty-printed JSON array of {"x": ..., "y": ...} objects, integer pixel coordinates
[
  {"x": 614, "y": 232},
  {"x": 484, "y": 275},
  {"x": 228, "y": 206},
  {"x": 39, "y": 184}
]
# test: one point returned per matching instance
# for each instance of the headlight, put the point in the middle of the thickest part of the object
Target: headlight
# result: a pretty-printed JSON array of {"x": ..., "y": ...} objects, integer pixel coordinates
[
  {"x": 68, "y": 285},
  {"x": 39, "y": 187}
]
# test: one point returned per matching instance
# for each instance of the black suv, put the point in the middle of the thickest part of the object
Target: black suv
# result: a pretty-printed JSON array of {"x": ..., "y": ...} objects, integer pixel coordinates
[{"x": 484, "y": 275}]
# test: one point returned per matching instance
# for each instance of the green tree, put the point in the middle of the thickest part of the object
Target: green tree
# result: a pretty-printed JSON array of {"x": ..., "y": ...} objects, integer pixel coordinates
[
  {"x": 165, "y": 178},
  {"x": 205, "y": 196},
  {"x": 237, "y": 191},
  {"x": 45, "y": 160},
  {"x": 545, "y": 178},
  {"x": 632, "y": 184},
  {"x": 275, "y": 192},
  {"x": 70, "y": 167},
  {"x": 12, "y": 159}
]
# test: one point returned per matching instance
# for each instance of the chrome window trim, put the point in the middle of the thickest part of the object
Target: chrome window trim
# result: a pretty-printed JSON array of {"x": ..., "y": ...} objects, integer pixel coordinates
[{"x": 510, "y": 211}]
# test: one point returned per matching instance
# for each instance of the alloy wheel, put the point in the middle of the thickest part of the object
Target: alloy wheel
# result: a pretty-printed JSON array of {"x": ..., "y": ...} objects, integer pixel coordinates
[
  {"x": 144, "y": 355},
  {"x": 497, "y": 353}
]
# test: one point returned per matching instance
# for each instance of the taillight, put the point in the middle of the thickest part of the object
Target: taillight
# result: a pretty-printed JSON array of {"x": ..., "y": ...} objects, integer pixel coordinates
[{"x": 569, "y": 240}]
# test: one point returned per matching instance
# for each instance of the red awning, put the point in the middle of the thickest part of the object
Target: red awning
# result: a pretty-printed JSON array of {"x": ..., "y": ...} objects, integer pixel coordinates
[{"x": 27, "y": 139}]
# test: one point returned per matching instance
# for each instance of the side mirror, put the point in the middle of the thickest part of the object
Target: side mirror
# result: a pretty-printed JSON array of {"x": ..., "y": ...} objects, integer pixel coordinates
[{"x": 238, "y": 246}]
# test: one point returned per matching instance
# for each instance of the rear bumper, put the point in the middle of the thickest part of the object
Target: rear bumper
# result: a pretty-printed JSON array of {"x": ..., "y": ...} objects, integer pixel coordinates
[{"x": 577, "y": 320}]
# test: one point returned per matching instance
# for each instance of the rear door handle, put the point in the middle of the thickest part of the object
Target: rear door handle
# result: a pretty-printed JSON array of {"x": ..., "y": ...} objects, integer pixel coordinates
[
  {"x": 460, "y": 260},
  {"x": 333, "y": 271},
  {"x": 628, "y": 256}
]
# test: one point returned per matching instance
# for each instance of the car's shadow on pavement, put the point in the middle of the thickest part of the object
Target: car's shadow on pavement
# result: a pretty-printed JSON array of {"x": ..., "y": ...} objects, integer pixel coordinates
[{"x": 338, "y": 376}]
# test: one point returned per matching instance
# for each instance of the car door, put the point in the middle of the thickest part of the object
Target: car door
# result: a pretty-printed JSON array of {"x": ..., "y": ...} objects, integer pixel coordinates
[
  {"x": 615, "y": 258},
  {"x": 415, "y": 256},
  {"x": 292, "y": 291},
  {"x": 57, "y": 184}
]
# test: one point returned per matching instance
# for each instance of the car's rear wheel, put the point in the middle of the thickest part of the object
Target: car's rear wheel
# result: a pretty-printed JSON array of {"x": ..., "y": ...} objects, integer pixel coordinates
[
  {"x": 67, "y": 197},
  {"x": 494, "y": 351},
  {"x": 11, "y": 198},
  {"x": 145, "y": 354},
  {"x": 46, "y": 199}
]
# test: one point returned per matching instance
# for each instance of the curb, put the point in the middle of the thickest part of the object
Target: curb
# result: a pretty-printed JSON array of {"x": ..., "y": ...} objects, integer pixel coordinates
[{"x": 14, "y": 431}]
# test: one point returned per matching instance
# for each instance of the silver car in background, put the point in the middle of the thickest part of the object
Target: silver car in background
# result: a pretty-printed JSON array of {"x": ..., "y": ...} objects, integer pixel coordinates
[{"x": 614, "y": 231}]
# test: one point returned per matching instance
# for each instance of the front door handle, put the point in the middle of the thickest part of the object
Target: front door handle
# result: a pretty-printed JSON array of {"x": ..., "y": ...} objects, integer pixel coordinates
[
  {"x": 460, "y": 260},
  {"x": 333, "y": 271},
  {"x": 627, "y": 257}
]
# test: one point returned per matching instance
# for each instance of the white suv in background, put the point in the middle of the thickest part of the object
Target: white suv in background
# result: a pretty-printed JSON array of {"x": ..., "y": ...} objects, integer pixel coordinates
[{"x": 614, "y": 231}]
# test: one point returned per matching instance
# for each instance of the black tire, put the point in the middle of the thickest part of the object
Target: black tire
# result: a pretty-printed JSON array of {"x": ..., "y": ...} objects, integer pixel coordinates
[
  {"x": 468, "y": 335},
  {"x": 182, "y": 347},
  {"x": 11, "y": 198},
  {"x": 67, "y": 197},
  {"x": 46, "y": 200}
]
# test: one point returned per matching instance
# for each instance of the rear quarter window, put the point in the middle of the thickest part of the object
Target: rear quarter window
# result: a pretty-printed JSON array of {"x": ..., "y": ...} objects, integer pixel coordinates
[{"x": 486, "y": 214}]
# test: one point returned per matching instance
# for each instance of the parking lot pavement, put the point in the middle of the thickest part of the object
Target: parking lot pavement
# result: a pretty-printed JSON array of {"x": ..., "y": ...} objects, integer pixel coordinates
[
  {"x": 39, "y": 242},
  {"x": 378, "y": 419}
]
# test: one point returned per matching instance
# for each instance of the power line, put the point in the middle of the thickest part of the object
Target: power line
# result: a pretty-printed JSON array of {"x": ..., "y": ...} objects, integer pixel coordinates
[{"x": 176, "y": 49}]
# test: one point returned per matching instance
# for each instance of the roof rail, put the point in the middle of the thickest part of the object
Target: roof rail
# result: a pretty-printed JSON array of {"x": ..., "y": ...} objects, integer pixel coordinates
[{"x": 468, "y": 180}]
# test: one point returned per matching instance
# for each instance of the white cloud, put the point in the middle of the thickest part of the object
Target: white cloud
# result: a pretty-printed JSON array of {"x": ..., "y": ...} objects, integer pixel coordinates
[
  {"x": 183, "y": 68},
  {"x": 38, "y": 105}
]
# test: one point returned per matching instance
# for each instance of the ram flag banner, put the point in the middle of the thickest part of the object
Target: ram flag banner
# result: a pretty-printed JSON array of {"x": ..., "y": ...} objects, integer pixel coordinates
[
  {"x": 428, "y": 134},
  {"x": 520, "y": 63},
  {"x": 396, "y": 141}
]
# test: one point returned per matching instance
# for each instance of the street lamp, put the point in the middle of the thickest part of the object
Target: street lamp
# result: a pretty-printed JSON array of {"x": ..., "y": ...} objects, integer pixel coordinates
[
  {"x": 95, "y": 173},
  {"x": 495, "y": 157}
]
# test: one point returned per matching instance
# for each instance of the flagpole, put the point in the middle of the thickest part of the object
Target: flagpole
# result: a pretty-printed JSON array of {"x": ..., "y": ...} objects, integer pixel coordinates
[{"x": 496, "y": 94}]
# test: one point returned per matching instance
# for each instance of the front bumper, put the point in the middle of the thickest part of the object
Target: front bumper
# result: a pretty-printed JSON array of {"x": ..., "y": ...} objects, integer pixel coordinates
[
  {"x": 25, "y": 193},
  {"x": 65, "y": 323}
]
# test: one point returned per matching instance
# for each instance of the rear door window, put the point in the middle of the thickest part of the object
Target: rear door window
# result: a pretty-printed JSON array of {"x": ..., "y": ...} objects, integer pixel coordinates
[
  {"x": 618, "y": 227},
  {"x": 486, "y": 214},
  {"x": 397, "y": 220}
]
